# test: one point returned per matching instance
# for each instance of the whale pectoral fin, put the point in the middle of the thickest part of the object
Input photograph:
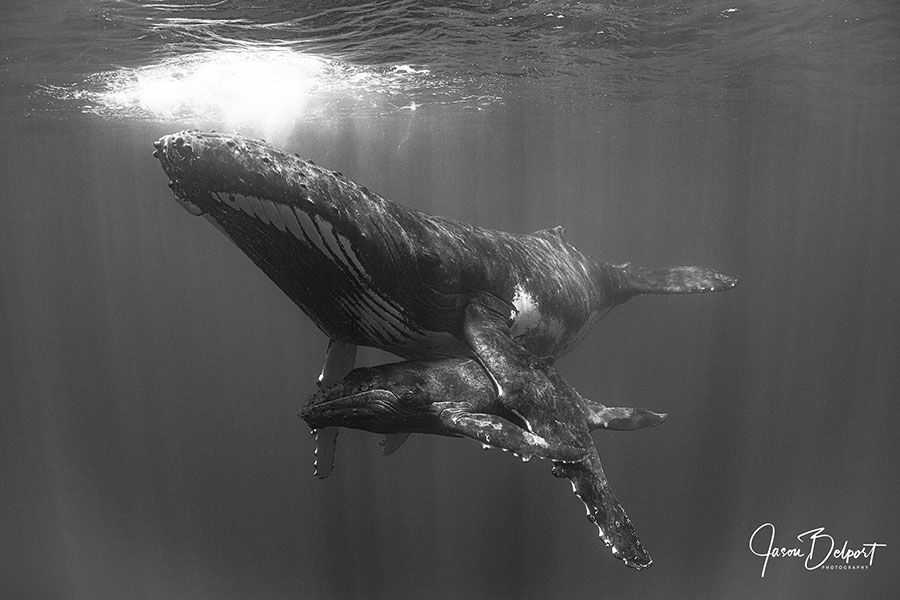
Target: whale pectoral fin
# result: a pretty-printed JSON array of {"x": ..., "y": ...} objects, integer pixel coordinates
[
  {"x": 554, "y": 410},
  {"x": 621, "y": 418},
  {"x": 603, "y": 509},
  {"x": 391, "y": 442},
  {"x": 495, "y": 432},
  {"x": 339, "y": 360},
  {"x": 634, "y": 280},
  {"x": 340, "y": 357},
  {"x": 486, "y": 331},
  {"x": 323, "y": 455},
  {"x": 527, "y": 386}
]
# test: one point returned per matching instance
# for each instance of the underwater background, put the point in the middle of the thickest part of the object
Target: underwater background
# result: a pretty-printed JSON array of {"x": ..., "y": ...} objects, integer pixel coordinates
[{"x": 150, "y": 375}]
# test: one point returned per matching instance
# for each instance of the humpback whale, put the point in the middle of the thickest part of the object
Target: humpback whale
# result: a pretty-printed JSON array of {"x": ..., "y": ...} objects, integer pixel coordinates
[
  {"x": 454, "y": 397},
  {"x": 371, "y": 272}
]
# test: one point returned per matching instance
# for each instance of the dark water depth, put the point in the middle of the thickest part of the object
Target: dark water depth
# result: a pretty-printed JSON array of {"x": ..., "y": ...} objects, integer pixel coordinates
[{"x": 150, "y": 374}]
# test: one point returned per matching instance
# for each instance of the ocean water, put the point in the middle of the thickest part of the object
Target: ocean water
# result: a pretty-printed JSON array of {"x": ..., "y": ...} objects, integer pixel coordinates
[{"x": 150, "y": 374}]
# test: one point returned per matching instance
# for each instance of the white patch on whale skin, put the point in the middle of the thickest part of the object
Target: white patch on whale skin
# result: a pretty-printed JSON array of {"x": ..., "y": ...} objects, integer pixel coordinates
[
  {"x": 377, "y": 316},
  {"x": 529, "y": 321},
  {"x": 291, "y": 223},
  {"x": 527, "y": 313},
  {"x": 334, "y": 244},
  {"x": 244, "y": 204},
  {"x": 311, "y": 235},
  {"x": 306, "y": 228},
  {"x": 256, "y": 208},
  {"x": 280, "y": 216},
  {"x": 265, "y": 210},
  {"x": 274, "y": 215},
  {"x": 269, "y": 214},
  {"x": 343, "y": 249}
]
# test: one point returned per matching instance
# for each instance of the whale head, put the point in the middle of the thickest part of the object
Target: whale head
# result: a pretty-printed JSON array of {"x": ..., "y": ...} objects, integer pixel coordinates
[
  {"x": 338, "y": 250},
  {"x": 399, "y": 397},
  {"x": 206, "y": 170}
]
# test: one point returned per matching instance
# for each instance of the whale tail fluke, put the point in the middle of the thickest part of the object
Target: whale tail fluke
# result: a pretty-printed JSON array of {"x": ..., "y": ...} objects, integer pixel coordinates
[{"x": 634, "y": 280}]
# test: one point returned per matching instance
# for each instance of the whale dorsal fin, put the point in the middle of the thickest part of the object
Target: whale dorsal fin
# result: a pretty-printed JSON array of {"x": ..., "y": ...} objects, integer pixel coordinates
[{"x": 554, "y": 234}]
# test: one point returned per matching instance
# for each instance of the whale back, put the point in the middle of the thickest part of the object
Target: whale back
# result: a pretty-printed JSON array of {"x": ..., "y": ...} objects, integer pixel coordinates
[{"x": 371, "y": 272}]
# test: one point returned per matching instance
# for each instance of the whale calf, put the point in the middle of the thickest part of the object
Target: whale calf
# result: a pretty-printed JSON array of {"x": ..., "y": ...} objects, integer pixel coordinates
[{"x": 455, "y": 397}]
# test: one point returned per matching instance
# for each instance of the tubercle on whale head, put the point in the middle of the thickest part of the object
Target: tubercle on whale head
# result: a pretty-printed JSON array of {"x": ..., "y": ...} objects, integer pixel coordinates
[
  {"x": 200, "y": 163},
  {"x": 176, "y": 151}
]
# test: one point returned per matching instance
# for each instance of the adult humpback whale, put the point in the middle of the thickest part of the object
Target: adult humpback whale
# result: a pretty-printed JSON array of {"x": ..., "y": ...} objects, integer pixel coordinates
[
  {"x": 454, "y": 397},
  {"x": 370, "y": 272}
]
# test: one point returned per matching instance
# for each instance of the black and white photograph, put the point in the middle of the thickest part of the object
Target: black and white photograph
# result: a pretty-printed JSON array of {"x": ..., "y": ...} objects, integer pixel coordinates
[{"x": 449, "y": 299}]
